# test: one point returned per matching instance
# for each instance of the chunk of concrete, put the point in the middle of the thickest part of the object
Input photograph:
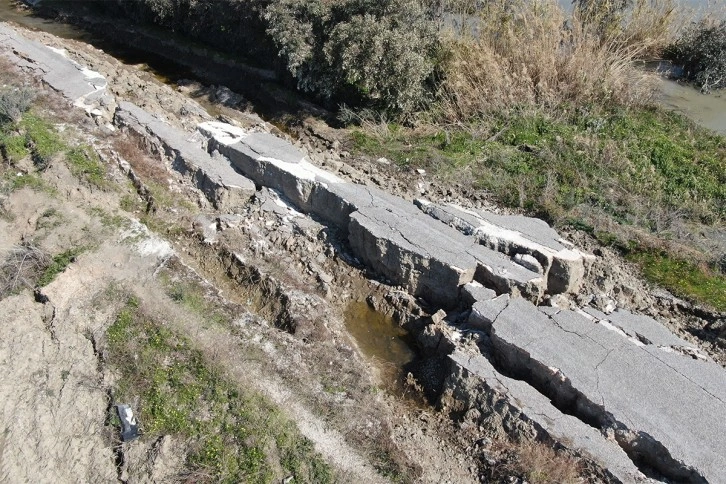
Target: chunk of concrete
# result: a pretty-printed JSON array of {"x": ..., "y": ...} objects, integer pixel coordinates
[
  {"x": 563, "y": 265},
  {"x": 213, "y": 175},
  {"x": 431, "y": 260},
  {"x": 474, "y": 291},
  {"x": 665, "y": 409},
  {"x": 269, "y": 161},
  {"x": 474, "y": 382}
]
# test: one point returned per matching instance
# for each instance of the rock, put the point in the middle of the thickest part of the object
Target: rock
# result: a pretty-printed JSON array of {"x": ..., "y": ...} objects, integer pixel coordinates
[{"x": 206, "y": 228}]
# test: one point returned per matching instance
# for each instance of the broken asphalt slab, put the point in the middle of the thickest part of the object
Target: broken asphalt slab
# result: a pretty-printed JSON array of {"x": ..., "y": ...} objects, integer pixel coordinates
[
  {"x": 665, "y": 409},
  {"x": 474, "y": 380},
  {"x": 563, "y": 266}
]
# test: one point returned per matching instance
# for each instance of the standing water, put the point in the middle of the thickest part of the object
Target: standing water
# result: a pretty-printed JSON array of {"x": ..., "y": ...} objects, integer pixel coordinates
[
  {"x": 708, "y": 110},
  {"x": 381, "y": 340}
]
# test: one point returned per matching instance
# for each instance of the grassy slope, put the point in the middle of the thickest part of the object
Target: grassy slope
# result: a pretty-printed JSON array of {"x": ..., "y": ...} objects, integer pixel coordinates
[
  {"x": 614, "y": 174},
  {"x": 233, "y": 435}
]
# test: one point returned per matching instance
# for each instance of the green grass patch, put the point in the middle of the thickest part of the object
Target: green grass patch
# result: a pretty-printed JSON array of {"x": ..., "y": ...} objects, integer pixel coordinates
[
  {"x": 85, "y": 164},
  {"x": 233, "y": 435},
  {"x": 26, "y": 180},
  {"x": 109, "y": 220},
  {"x": 192, "y": 296},
  {"x": 683, "y": 278},
  {"x": 41, "y": 139},
  {"x": 13, "y": 146},
  {"x": 59, "y": 264},
  {"x": 641, "y": 167}
]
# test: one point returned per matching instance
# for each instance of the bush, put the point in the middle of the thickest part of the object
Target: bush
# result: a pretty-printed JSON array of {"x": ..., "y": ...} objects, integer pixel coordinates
[
  {"x": 379, "y": 53},
  {"x": 701, "y": 50},
  {"x": 531, "y": 55},
  {"x": 14, "y": 102}
]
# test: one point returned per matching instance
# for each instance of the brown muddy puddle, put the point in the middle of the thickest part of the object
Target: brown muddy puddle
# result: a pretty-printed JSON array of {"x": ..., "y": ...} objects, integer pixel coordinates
[{"x": 382, "y": 342}]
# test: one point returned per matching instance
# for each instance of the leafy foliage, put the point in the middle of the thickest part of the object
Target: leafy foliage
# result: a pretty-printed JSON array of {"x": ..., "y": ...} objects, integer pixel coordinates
[
  {"x": 701, "y": 50},
  {"x": 378, "y": 52}
]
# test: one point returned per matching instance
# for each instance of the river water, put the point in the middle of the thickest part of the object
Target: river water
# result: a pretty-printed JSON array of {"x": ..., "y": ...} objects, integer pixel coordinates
[{"x": 708, "y": 110}]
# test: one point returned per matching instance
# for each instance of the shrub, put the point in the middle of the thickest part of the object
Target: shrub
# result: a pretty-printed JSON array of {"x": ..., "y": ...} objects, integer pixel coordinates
[
  {"x": 22, "y": 267},
  {"x": 359, "y": 51},
  {"x": 701, "y": 50},
  {"x": 529, "y": 54},
  {"x": 14, "y": 102}
]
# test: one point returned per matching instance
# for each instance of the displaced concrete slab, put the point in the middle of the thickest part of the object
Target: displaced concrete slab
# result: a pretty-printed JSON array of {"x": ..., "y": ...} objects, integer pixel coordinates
[
  {"x": 563, "y": 265},
  {"x": 479, "y": 385},
  {"x": 431, "y": 260},
  {"x": 269, "y": 161},
  {"x": 387, "y": 233},
  {"x": 665, "y": 409},
  {"x": 214, "y": 176},
  {"x": 81, "y": 86}
]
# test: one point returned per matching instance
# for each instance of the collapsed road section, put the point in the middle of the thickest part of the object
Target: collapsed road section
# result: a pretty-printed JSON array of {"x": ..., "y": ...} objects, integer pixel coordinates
[
  {"x": 623, "y": 390},
  {"x": 616, "y": 388}
]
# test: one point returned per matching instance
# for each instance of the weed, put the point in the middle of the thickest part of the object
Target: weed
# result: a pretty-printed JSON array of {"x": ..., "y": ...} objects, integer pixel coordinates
[
  {"x": 13, "y": 147},
  {"x": 191, "y": 295},
  {"x": 26, "y": 180},
  {"x": 683, "y": 278},
  {"x": 58, "y": 264},
  {"x": 130, "y": 203},
  {"x": 107, "y": 219},
  {"x": 234, "y": 435},
  {"x": 85, "y": 163},
  {"x": 15, "y": 101},
  {"x": 41, "y": 139},
  {"x": 49, "y": 219}
]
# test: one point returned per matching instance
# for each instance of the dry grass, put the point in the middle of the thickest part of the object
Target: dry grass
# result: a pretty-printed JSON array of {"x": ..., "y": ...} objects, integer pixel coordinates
[
  {"x": 144, "y": 167},
  {"x": 22, "y": 268},
  {"x": 533, "y": 54},
  {"x": 537, "y": 463}
]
